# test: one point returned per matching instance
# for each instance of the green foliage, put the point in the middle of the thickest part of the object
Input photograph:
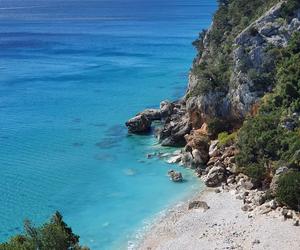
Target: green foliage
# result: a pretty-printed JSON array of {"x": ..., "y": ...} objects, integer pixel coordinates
[
  {"x": 226, "y": 139},
  {"x": 258, "y": 139},
  {"x": 263, "y": 138},
  {"x": 288, "y": 191},
  {"x": 199, "y": 43},
  {"x": 53, "y": 235},
  {"x": 289, "y": 7},
  {"x": 256, "y": 171},
  {"x": 287, "y": 92},
  {"x": 261, "y": 81}
]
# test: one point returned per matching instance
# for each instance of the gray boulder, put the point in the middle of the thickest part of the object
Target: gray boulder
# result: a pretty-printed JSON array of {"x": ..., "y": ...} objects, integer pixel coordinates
[
  {"x": 198, "y": 204},
  {"x": 215, "y": 177}
]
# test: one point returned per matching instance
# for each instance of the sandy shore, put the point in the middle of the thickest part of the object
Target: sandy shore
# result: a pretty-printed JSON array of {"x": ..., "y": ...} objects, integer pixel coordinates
[{"x": 223, "y": 226}]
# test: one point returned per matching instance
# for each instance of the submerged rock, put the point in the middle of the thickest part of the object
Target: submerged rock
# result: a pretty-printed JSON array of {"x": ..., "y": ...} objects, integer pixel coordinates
[
  {"x": 175, "y": 176},
  {"x": 139, "y": 124}
]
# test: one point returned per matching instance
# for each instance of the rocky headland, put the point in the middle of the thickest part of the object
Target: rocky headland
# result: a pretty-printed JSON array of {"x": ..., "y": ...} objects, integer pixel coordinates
[{"x": 237, "y": 127}]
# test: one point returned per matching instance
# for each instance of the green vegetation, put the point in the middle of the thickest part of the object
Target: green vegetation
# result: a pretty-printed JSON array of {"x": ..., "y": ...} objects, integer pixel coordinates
[
  {"x": 288, "y": 191},
  {"x": 226, "y": 139},
  {"x": 53, "y": 235},
  {"x": 289, "y": 7},
  {"x": 272, "y": 137}
]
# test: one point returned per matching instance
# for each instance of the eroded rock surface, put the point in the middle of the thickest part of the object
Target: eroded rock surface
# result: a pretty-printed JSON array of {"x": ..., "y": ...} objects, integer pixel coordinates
[{"x": 139, "y": 124}]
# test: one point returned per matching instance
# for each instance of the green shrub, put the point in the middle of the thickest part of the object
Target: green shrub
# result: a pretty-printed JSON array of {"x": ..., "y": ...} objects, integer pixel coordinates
[
  {"x": 259, "y": 139},
  {"x": 262, "y": 139},
  {"x": 288, "y": 191},
  {"x": 226, "y": 139},
  {"x": 289, "y": 7}
]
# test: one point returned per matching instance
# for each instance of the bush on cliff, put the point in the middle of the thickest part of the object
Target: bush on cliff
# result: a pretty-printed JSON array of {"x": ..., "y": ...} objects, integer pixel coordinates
[
  {"x": 273, "y": 134},
  {"x": 54, "y": 235},
  {"x": 226, "y": 139},
  {"x": 289, "y": 7},
  {"x": 288, "y": 191}
]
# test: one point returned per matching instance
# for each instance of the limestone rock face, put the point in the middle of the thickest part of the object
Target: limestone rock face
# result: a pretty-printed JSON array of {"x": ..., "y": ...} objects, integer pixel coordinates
[
  {"x": 251, "y": 53},
  {"x": 250, "y": 57},
  {"x": 175, "y": 128},
  {"x": 166, "y": 109},
  {"x": 139, "y": 124},
  {"x": 151, "y": 114}
]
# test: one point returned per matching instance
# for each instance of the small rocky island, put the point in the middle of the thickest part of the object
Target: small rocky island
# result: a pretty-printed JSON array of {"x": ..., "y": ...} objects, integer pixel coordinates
[{"x": 238, "y": 123}]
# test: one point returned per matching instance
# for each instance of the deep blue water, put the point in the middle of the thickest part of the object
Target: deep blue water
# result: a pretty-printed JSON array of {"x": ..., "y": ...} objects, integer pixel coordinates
[{"x": 71, "y": 73}]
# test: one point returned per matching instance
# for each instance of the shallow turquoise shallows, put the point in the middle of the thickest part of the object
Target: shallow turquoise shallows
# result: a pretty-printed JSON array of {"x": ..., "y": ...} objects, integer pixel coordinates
[{"x": 71, "y": 73}]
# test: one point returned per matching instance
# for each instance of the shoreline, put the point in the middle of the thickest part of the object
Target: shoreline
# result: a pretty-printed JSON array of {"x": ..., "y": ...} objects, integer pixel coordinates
[
  {"x": 149, "y": 224},
  {"x": 257, "y": 206},
  {"x": 163, "y": 215},
  {"x": 223, "y": 226}
]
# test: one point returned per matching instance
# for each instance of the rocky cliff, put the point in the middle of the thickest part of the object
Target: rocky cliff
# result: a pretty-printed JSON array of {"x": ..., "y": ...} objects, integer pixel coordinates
[{"x": 251, "y": 64}]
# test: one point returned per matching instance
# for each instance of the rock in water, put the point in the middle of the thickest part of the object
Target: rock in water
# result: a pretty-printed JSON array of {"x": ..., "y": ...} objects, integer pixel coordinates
[
  {"x": 175, "y": 176},
  {"x": 174, "y": 159},
  {"x": 139, "y": 124}
]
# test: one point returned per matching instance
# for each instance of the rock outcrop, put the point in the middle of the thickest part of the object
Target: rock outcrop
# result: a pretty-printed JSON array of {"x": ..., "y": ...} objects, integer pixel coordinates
[
  {"x": 175, "y": 176},
  {"x": 176, "y": 124},
  {"x": 152, "y": 114},
  {"x": 139, "y": 124}
]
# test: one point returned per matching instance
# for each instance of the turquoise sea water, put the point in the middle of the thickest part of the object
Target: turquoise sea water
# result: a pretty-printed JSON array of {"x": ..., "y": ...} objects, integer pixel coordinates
[{"x": 71, "y": 73}]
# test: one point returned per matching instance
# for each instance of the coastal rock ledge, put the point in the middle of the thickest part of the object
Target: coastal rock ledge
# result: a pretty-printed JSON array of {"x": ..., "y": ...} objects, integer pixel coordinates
[{"x": 139, "y": 124}]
